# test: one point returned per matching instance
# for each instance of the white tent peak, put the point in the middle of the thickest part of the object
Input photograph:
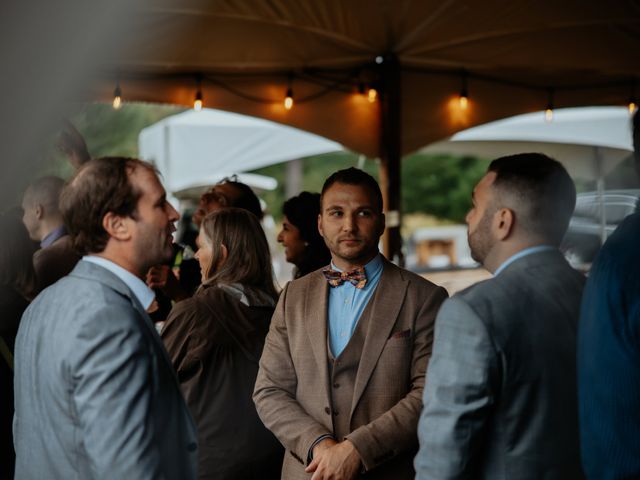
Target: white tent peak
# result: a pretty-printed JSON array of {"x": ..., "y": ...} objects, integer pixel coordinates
[
  {"x": 589, "y": 141},
  {"x": 193, "y": 148},
  {"x": 596, "y": 126}
]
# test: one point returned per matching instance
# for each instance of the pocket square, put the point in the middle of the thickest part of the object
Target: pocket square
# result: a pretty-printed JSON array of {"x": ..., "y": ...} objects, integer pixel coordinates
[{"x": 402, "y": 334}]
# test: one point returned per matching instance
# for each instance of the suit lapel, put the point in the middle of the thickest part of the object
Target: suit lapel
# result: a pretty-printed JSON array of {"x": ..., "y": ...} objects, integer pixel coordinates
[
  {"x": 387, "y": 302},
  {"x": 315, "y": 314},
  {"x": 100, "y": 274}
]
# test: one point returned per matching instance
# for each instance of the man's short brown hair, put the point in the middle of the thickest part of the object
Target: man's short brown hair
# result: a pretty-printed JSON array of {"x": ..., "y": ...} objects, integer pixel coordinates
[{"x": 102, "y": 185}]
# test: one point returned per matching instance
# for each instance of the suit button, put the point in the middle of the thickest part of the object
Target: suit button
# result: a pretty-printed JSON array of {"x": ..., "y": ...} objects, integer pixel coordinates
[
  {"x": 192, "y": 447},
  {"x": 336, "y": 385},
  {"x": 327, "y": 410}
]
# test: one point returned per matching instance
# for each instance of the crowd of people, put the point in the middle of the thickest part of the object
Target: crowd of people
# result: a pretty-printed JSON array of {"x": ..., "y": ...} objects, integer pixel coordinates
[{"x": 127, "y": 359}]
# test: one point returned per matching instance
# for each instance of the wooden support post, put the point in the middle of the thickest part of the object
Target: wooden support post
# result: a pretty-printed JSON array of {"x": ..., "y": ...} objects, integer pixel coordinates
[{"x": 390, "y": 154}]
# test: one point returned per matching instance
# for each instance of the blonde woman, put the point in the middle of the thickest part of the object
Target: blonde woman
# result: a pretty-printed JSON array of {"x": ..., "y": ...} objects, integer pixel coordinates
[{"x": 215, "y": 340}]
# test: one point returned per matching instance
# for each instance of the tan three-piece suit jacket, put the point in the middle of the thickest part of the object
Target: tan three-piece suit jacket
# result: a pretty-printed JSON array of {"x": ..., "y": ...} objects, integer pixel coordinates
[{"x": 370, "y": 394}]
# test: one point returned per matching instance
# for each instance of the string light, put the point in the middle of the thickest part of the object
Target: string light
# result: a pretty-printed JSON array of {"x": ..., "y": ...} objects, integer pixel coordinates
[
  {"x": 633, "y": 106},
  {"x": 117, "y": 97},
  {"x": 372, "y": 95},
  {"x": 548, "y": 113},
  {"x": 197, "y": 102},
  {"x": 288, "y": 99},
  {"x": 464, "y": 93}
]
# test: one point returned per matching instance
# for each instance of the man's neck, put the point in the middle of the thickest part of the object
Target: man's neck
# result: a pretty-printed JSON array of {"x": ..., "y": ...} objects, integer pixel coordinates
[
  {"x": 504, "y": 251},
  {"x": 122, "y": 261},
  {"x": 347, "y": 266}
]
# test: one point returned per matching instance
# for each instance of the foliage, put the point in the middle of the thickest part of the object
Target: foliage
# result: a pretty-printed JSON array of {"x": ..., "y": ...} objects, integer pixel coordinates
[
  {"x": 108, "y": 132},
  {"x": 440, "y": 185}
]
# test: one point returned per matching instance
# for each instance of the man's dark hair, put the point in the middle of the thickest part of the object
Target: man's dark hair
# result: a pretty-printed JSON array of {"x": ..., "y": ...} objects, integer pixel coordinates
[
  {"x": 246, "y": 199},
  {"x": 101, "y": 185},
  {"x": 539, "y": 190},
  {"x": 354, "y": 176}
]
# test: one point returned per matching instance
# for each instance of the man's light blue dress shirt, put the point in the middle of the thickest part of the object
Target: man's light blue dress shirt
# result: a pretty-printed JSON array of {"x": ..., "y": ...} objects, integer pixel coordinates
[{"x": 346, "y": 304}]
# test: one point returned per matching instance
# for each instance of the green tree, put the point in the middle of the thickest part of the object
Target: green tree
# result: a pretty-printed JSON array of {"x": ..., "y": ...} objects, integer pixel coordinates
[{"x": 440, "y": 185}]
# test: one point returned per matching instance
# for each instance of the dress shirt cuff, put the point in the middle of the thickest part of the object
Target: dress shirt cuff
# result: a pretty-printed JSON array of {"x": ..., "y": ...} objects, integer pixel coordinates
[{"x": 318, "y": 440}]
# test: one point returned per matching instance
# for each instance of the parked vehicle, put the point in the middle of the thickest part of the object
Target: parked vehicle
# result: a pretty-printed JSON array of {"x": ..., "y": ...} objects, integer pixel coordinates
[{"x": 585, "y": 233}]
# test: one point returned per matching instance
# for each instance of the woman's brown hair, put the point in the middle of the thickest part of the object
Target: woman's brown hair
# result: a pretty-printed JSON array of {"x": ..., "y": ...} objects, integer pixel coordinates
[{"x": 248, "y": 260}]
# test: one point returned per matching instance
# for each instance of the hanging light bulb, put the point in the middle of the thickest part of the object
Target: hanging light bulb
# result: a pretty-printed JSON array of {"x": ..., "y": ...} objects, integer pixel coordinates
[
  {"x": 117, "y": 97},
  {"x": 288, "y": 100},
  {"x": 372, "y": 95},
  {"x": 548, "y": 113},
  {"x": 463, "y": 100},
  {"x": 633, "y": 106},
  {"x": 197, "y": 102}
]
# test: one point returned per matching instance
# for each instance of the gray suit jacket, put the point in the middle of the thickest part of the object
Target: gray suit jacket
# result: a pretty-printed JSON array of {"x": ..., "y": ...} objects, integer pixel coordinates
[
  {"x": 95, "y": 393},
  {"x": 500, "y": 401}
]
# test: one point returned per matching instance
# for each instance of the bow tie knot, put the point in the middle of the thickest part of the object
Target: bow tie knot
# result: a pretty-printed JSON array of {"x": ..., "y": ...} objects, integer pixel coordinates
[{"x": 357, "y": 277}]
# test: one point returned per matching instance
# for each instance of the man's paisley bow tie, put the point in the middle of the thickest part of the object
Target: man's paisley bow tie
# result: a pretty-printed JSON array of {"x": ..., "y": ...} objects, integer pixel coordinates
[{"x": 357, "y": 277}]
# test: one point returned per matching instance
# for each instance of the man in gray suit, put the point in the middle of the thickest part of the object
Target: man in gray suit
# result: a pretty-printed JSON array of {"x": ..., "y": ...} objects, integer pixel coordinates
[
  {"x": 500, "y": 400},
  {"x": 96, "y": 396}
]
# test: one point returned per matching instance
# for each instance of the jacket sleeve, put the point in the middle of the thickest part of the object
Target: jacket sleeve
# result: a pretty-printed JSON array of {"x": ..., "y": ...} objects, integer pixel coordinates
[
  {"x": 458, "y": 394},
  {"x": 275, "y": 391},
  {"x": 113, "y": 389},
  {"x": 394, "y": 432}
]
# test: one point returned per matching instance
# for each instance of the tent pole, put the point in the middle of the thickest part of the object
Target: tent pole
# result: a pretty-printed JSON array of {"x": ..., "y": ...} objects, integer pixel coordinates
[{"x": 390, "y": 155}]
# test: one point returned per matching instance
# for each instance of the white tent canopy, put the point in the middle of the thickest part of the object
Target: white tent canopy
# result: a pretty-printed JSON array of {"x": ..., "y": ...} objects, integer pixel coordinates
[
  {"x": 195, "y": 149},
  {"x": 588, "y": 141}
]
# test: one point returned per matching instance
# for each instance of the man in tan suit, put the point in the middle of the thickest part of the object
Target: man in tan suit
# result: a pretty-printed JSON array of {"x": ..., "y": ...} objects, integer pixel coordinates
[{"x": 341, "y": 376}]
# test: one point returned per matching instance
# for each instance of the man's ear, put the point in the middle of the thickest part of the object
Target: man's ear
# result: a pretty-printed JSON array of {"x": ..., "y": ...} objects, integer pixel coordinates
[
  {"x": 503, "y": 223},
  {"x": 117, "y": 226},
  {"x": 320, "y": 225},
  {"x": 383, "y": 223},
  {"x": 39, "y": 211}
]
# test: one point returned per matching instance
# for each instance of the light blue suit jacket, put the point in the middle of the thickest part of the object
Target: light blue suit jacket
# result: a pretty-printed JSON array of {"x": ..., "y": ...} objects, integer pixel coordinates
[{"x": 95, "y": 392}]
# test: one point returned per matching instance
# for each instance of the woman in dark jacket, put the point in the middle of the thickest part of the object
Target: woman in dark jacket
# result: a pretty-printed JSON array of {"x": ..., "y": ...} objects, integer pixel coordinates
[
  {"x": 17, "y": 281},
  {"x": 303, "y": 245},
  {"x": 215, "y": 340}
]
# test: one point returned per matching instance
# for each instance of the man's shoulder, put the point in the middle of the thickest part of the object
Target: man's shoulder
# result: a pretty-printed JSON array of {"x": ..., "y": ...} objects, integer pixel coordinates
[
  {"x": 59, "y": 251},
  {"x": 414, "y": 281}
]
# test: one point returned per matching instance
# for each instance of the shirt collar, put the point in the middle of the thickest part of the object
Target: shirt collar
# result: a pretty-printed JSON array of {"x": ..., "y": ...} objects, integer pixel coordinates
[
  {"x": 140, "y": 289},
  {"x": 52, "y": 236},
  {"x": 371, "y": 268},
  {"x": 521, "y": 254}
]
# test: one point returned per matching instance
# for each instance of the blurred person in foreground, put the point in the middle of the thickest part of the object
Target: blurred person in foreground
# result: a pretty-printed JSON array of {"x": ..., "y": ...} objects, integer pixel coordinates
[
  {"x": 302, "y": 242},
  {"x": 95, "y": 393},
  {"x": 609, "y": 353},
  {"x": 341, "y": 376},
  {"x": 43, "y": 219},
  {"x": 17, "y": 280},
  {"x": 215, "y": 340},
  {"x": 500, "y": 400}
]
